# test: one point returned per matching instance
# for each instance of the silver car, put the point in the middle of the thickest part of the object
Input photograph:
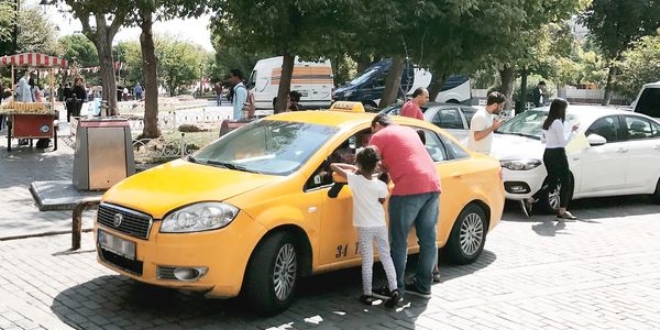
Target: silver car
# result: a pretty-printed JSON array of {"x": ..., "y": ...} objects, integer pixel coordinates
[{"x": 453, "y": 117}]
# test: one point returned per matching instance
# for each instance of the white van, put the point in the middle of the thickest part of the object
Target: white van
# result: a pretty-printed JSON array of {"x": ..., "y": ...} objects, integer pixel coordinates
[
  {"x": 312, "y": 79},
  {"x": 648, "y": 100}
]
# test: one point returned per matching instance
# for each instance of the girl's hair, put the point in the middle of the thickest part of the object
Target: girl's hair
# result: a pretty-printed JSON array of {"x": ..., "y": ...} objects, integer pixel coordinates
[
  {"x": 557, "y": 111},
  {"x": 367, "y": 159}
]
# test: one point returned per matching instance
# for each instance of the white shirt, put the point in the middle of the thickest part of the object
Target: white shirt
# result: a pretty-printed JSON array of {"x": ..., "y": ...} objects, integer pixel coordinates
[
  {"x": 367, "y": 210},
  {"x": 481, "y": 121},
  {"x": 556, "y": 136}
]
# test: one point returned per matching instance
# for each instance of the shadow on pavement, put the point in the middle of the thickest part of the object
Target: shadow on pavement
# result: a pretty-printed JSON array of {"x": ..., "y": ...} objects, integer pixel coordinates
[{"x": 126, "y": 304}]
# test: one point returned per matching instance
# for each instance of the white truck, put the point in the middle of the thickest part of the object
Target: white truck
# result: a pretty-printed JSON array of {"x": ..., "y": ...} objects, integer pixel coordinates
[{"x": 312, "y": 79}]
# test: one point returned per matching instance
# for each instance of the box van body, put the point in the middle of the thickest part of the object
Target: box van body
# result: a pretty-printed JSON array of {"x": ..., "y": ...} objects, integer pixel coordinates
[
  {"x": 312, "y": 79},
  {"x": 648, "y": 100},
  {"x": 368, "y": 86}
]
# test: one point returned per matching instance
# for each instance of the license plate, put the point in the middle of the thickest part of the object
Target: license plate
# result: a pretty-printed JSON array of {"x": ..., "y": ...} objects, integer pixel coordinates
[{"x": 116, "y": 245}]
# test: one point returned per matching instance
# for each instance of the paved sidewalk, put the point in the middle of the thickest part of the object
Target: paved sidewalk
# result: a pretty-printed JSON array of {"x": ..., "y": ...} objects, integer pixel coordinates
[{"x": 19, "y": 215}]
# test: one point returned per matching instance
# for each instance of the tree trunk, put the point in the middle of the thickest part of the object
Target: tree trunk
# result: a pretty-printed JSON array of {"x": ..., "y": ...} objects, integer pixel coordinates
[
  {"x": 508, "y": 77},
  {"x": 523, "y": 92},
  {"x": 609, "y": 90},
  {"x": 285, "y": 83},
  {"x": 150, "y": 76},
  {"x": 437, "y": 81},
  {"x": 103, "y": 44},
  {"x": 393, "y": 82}
]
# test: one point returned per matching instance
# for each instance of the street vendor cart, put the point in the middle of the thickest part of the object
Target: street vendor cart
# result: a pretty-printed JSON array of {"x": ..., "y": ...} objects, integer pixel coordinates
[{"x": 32, "y": 120}]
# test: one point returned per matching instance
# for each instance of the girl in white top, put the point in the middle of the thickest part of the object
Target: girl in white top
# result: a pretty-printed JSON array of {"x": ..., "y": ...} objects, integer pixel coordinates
[
  {"x": 555, "y": 138},
  {"x": 369, "y": 194}
]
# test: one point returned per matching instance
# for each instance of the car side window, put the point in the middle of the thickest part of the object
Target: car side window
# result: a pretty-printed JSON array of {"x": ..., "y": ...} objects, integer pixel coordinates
[
  {"x": 433, "y": 145},
  {"x": 448, "y": 118},
  {"x": 638, "y": 128},
  {"x": 655, "y": 129},
  {"x": 608, "y": 128},
  {"x": 468, "y": 113}
]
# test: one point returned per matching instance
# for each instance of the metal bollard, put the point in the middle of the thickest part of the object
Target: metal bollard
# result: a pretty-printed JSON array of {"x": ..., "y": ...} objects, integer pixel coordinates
[{"x": 76, "y": 229}]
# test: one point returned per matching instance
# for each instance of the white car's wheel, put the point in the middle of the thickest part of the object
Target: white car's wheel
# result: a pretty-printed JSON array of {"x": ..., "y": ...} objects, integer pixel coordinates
[
  {"x": 656, "y": 195},
  {"x": 550, "y": 199}
]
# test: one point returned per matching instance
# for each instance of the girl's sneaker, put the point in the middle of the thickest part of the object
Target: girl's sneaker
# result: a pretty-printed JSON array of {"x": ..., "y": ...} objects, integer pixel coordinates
[
  {"x": 394, "y": 300},
  {"x": 368, "y": 300}
]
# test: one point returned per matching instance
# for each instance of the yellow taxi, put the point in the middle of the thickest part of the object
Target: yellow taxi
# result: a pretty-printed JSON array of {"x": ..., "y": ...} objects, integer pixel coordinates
[{"x": 250, "y": 213}]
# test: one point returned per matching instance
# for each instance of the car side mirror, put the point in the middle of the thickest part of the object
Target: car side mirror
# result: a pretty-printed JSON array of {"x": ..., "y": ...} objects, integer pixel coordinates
[{"x": 596, "y": 140}]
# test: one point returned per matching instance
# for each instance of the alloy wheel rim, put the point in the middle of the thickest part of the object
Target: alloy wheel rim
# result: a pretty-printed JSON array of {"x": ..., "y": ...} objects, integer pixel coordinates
[
  {"x": 553, "y": 198},
  {"x": 284, "y": 276},
  {"x": 472, "y": 233}
]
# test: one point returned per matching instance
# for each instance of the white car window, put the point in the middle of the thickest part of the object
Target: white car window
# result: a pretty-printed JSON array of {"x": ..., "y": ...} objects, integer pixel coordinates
[
  {"x": 448, "y": 118},
  {"x": 638, "y": 128},
  {"x": 433, "y": 145},
  {"x": 608, "y": 128}
]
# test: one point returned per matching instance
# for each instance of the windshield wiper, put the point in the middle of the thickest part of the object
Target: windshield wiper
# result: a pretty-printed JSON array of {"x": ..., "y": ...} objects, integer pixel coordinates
[
  {"x": 232, "y": 166},
  {"x": 519, "y": 134},
  {"x": 192, "y": 160}
]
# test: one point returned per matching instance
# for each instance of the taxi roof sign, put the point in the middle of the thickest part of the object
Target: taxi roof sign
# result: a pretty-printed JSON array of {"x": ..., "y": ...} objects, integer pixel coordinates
[{"x": 347, "y": 106}]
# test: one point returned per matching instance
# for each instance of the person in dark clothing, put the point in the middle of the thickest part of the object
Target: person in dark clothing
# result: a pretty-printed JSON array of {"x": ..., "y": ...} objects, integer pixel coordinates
[
  {"x": 537, "y": 94},
  {"x": 67, "y": 95},
  {"x": 293, "y": 101},
  {"x": 79, "y": 95}
]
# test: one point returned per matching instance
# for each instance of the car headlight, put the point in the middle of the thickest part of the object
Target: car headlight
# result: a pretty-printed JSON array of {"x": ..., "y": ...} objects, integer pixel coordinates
[
  {"x": 520, "y": 164},
  {"x": 348, "y": 93},
  {"x": 199, "y": 217}
]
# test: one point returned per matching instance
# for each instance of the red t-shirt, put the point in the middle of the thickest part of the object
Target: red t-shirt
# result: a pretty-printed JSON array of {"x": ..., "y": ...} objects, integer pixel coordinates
[
  {"x": 412, "y": 110},
  {"x": 408, "y": 162}
]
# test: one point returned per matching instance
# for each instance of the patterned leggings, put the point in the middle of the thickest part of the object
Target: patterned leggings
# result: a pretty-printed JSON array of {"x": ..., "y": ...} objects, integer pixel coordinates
[{"x": 367, "y": 236}]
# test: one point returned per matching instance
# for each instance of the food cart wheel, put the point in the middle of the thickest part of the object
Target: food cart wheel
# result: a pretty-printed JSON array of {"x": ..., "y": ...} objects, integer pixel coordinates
[{"x": 54, "y": 139}]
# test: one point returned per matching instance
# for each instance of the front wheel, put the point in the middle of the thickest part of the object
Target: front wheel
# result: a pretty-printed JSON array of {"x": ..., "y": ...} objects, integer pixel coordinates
[
  {"x": 468, "y": 236},
  {"x": 656, "y": 195},
  {"x": 272, "y": 274},
  {"x": 550, "y": 200}
]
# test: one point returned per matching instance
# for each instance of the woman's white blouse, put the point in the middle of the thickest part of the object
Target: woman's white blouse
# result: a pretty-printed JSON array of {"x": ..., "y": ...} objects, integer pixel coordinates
[{"x": 556, "y": 136}]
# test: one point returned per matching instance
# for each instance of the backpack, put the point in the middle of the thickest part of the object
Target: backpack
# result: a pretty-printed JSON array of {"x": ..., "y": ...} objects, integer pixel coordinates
[{"x": 249, "y": 106}]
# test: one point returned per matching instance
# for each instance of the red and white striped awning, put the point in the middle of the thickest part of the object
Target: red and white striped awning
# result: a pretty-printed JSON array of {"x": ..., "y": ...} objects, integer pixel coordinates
[{"x": 33, "y": 60}]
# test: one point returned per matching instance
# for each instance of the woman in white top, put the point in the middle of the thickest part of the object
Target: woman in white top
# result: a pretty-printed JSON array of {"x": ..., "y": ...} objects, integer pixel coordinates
[{"x": 555, "y": 138}]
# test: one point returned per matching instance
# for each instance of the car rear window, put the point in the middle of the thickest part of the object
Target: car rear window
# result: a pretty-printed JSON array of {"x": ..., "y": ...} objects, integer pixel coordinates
[{"x": 649, "y": 102}]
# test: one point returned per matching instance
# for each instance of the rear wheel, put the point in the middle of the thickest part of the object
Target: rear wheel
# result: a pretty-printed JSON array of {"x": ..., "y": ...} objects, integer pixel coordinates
[
  {"x": 272, "y": 274},
  {"x": 468, "y": 236},
  {"x": 370, "y": 104}
]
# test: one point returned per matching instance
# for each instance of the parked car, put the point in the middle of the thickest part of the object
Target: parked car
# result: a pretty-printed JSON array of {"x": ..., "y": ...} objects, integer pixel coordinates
[
  {"x": 623, "y": 156},
  {"x": 251, "y": 213},
  {"x": 648, "y": 100},
  {"x": 455, "y": 118}
]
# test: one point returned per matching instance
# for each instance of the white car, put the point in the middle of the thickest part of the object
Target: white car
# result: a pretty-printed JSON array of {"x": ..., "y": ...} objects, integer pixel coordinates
[{"x": 623, "y": 156}]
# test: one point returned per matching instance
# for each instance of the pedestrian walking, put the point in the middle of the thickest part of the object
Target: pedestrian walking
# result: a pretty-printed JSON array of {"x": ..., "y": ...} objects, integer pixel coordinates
[
  {"x": 293, "y": 100},
  {"x": 414, "y": 201},
  {"x": 369, "y": 194},
  {"x": 218, "y": 93},
  {"x": 483, "y": 124},
  {"x": 556, "y": 138},
  {"x": 413, "y": 108},
  {"x": 240, "y": 93},
  {"x": 138, "y": 90},
  {"x": 79, "y": 94}
]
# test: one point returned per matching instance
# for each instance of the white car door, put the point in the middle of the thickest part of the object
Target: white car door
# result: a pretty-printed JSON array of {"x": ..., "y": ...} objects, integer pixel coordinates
[
  {"x": 643, "y": 153},
  {"x": 604, "y": 166}
]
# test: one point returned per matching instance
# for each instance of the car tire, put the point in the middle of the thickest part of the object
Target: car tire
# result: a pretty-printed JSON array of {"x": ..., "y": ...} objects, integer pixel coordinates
[
  {"x": 549, "y": 200},
  {"x": 468, "y": 236},
  {"x": 655, "y": 198},
  {"x": 272, "y": 274}
]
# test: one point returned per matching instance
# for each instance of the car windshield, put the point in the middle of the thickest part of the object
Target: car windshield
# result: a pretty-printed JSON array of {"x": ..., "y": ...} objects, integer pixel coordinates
[
  {"x": 529, "y": 124},
  {"x": 266, "y": 146},
  {"x": 364, "y": 77}
]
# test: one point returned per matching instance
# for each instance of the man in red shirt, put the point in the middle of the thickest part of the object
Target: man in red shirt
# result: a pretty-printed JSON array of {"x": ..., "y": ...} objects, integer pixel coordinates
[
  {"x": 415, "y": 200},
  {"x": 412, "y": 108}
]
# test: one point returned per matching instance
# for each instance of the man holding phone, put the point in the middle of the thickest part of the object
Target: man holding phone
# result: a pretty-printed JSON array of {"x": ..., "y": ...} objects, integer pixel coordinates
[{"x": 483, "y": 123}]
